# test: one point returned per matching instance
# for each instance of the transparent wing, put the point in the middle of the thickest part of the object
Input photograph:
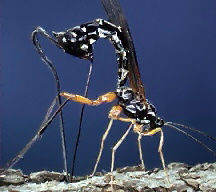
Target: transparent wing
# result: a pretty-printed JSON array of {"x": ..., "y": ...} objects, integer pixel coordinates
[{"x": 117, "y": 17}]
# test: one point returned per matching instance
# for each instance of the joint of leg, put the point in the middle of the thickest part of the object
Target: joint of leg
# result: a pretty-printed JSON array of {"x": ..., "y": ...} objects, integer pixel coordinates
[
  {"x": 115, "y": 112},
  {"x": 152, "y": 132},
  {"x": 108, "y": 97},
  {"x": 67, "y": 95},
  {"x": 137, "y": 128},
  {"x": 114, "y": 149},
  {"x": 96, "y": 102},
  {"x": 76, "y": 98}
]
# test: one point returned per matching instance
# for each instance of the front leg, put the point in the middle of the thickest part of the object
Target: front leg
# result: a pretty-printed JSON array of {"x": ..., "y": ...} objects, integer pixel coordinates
[{"x": 105, "y": 98}]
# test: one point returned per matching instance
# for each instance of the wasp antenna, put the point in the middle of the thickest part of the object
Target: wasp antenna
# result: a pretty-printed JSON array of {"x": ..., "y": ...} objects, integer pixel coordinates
[
  {"x": 195, "y": 139},
  {"x": 45, "y": 59},
  {"x": 192, "y": 129},
  {"x": 81, "y": 118}
]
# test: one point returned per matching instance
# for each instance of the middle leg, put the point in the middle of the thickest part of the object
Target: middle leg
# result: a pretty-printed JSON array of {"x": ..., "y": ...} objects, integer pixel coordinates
[{"x": 152, "y": 132}]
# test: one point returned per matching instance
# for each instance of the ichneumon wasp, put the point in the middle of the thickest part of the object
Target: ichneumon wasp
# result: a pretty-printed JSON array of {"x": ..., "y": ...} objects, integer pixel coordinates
[
  {"x": 132, "y": 102},
  {"x": 127, "y": 69}
]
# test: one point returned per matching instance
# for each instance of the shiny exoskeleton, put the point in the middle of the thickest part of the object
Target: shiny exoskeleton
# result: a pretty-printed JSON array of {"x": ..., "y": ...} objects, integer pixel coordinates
[{"x": 79, "y": 40}]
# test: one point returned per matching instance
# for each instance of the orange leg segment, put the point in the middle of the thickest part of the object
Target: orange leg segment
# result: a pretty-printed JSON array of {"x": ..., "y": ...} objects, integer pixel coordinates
[
  {"x": 105, "y": 98},
  {"x": 115, "y": 112},
  {"x": 152, "y": 132}
]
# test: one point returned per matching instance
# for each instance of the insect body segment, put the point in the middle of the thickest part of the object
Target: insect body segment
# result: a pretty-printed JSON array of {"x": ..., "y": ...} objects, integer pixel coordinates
[
  {"x": 134, "y": 108},
  {"x": 78, "y": 41}
]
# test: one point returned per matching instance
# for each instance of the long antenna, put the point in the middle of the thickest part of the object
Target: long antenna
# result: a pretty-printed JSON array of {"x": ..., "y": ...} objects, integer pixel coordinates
[
  {"x": 55, "y": 75},
  {"x": 80, "y": 122},
  {"x": 192, "y": 129},
  {"x": 195, "y": 139}
]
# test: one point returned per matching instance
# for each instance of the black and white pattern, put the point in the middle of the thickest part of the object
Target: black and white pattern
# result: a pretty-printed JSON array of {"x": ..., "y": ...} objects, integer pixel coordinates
[
  {"x": 79, "y": 40},
  {"x": 133, "y": 108}
]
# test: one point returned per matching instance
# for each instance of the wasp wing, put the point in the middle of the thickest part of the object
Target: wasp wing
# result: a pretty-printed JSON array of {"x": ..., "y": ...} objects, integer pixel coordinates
[{"x": 117, "y": 17}]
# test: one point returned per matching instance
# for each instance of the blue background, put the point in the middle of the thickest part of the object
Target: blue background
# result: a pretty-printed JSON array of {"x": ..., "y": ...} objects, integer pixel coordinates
[{"x": 176, "y": 49}]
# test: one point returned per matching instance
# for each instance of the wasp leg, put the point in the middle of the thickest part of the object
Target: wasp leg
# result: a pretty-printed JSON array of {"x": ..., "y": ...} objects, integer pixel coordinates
[
  {"x": 101, "y": 146},
  {"x": 116, "y": 147},
  {"x": 137, "y": 128},
  {"x": 116, "y": 111},
  {"x": 140, "y": 150},
  {"x": 152, "y": 132},
  {"x": 105, "y": 98},
  {"x": 114, "y": 115}
]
